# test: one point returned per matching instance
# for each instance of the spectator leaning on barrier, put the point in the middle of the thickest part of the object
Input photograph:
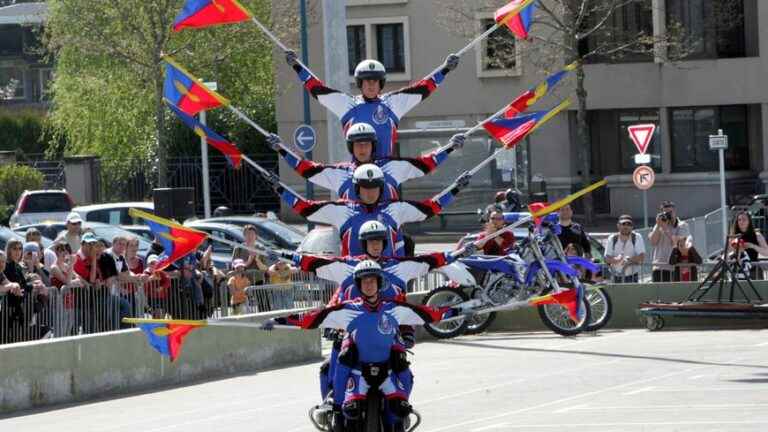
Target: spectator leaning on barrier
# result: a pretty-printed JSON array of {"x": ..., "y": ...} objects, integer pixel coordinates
[
  {"x": 64, "y": 278},
  {"x": 12, "y": 314},
  {"x": 752, "y": 241},
  {"x": 157, "y": 288},
  {"x": 664, "y": 236},
  {"x": 33, "y": 268},
  {"x": 625, "y": 251},
  {"x": 132, "y": 258},
  {"x": 73, "y": 232},
  {"x": 120, "y": 279},
  {"x": 685, "y": 258},
  {"x": 572, "y": 232},
  {"x": 237, "y": 284}
]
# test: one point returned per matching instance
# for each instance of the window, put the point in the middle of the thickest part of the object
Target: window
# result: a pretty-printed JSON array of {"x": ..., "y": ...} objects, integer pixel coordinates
[
  {"x": 498, "y": 54},
  {"x": 712, "y": 28},
  {"x": 12, "y": 83},
  {"x": 383, "y": 39},
  {"x": 355, "y": 46},
  {"x": 625, "y": 25},
  {"x": 389, "y": 47},
  {"x": 46, "y": 76},
  {"x": 691, "y": 128},
  {"x": 11, "y": 41}
]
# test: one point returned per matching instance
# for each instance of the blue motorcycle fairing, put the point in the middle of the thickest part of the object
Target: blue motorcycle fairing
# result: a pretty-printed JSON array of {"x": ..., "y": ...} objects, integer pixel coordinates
[
  {"x": 583, "y": 262},
  {"x": 553, "y": 266}
]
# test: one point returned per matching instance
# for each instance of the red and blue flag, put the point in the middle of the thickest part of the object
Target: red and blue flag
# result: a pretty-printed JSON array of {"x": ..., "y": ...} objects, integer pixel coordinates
[
  {"x": 205, "y": 13},
  {"x": 518, "y": 16},
  {"x": 530, "y": 97},
  {"x": 166, "y": 338},
  {"x": 511, "y": 131},
  {"x": 187, "y": 92},
  {"x": 571, "y": 299},
  {"x": 177, "y": 240},
  {"x": 233, "y": 154}
]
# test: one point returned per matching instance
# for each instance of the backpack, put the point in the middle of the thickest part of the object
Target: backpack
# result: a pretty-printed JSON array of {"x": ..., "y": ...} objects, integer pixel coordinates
[{"x": 615, "y": 239}]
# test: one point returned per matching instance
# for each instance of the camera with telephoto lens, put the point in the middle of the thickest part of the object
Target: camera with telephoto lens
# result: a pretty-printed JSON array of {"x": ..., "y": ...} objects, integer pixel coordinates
[{"x": 665, "y": 216}]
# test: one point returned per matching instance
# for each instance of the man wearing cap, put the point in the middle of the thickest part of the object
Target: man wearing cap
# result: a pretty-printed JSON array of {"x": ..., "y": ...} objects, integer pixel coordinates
[
  {"x": 625, "y": 251},
  {"x": 87, "y": 267},
  {"x": 667, "y": 233},
  {"x": 73, "y": 232}
]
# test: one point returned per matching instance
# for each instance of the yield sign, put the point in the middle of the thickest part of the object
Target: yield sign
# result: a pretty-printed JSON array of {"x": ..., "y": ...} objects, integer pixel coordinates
[{"x": 641, "y": 135}]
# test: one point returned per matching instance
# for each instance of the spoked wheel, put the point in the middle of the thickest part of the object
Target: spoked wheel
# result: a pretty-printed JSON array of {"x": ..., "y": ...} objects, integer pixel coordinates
[
  {"x": 446, "y": 296},
  {"x": 480, "y": 322},
  {"x": 557, "y": 319},
  {"x": 600, "y": 307},
  {"x": 654, "y": 323}
]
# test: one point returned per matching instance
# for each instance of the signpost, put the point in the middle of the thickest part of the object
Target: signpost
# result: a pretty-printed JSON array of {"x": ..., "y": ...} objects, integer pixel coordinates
[
  {"x": 719, "y": 142},
  {"x": 643, "y": 177},
  {"x": 204, "y": 156},
  {"x": 305, "y": 138}
]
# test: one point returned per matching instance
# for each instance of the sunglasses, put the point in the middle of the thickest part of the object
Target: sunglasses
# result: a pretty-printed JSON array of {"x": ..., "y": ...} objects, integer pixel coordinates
[{"x": 626, "y": 224}]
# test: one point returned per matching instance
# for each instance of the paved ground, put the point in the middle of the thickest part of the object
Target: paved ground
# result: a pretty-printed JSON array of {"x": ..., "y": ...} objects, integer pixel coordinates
[{"x": 616, "y": 381}]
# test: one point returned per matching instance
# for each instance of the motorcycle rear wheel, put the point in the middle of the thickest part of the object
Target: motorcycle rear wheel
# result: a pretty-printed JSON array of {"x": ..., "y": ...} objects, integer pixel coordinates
[
  {"x": 556, "y": 318},
  {"x": 445, "y": 296},
  {"x": 600, "y": 307}
]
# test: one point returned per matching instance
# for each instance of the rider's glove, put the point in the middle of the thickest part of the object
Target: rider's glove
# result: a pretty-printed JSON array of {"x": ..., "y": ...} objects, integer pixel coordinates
[
  {"x": 274, "y": 141},
  {"x": 291, "y": 58},
  {"x": 457, "y": 141},
  {"x": 451, "y": 62}
]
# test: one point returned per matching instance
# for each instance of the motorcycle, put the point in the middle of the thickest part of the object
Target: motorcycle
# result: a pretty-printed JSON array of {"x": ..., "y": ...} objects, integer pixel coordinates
[
  {"x": 600, "y": 304},
  {"x": 503, "y": 283}
]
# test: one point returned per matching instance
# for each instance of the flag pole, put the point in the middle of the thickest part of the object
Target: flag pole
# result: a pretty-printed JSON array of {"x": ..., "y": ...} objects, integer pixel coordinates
[
  {"x": 487, "y": 33},
  {"x": 207, "y": 323},
  {"x": 277, "y": 41}
]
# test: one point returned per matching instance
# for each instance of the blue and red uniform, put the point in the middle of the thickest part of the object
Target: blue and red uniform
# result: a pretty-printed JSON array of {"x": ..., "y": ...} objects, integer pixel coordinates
[
  {"x": 383, "y": 113},
  {"x": 338, "y": 177},
  {"x": 348, "y": 216}
]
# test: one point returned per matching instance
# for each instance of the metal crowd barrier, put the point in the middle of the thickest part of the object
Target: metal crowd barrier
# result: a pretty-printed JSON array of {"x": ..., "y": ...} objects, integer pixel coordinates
[{"x": 76, "y": 310}]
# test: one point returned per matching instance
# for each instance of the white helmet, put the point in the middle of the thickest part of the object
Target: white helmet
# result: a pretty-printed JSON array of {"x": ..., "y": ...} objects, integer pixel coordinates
[
  {"x": 368, "y": 176},
  {"x": 372, "y": 230},
  {"x": 372, "y": 70},
  {"x": 367, "y": 268},
  {"x": 361, "y": 132}
]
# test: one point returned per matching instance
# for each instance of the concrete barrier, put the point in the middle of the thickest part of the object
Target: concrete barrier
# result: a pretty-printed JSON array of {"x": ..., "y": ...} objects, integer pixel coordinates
[
  {"x": 625, "y": 299},
  {"x": 35, "y": 374}
]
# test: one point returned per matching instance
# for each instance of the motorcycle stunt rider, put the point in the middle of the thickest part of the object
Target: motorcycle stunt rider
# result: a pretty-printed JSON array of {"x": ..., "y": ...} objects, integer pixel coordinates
[
  {"x": 370, "y": 323},
  {"x": 361, "y": 143},
  {"x": 382, "y": 111},
  {"x": 396, "y": 271},
  {"x": 348, "y": 216}
]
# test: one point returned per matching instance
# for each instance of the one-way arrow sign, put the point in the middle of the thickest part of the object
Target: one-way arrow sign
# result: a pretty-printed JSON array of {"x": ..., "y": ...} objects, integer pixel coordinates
[
  {"x": 305, "y": 138},
  {"x": 641, "y": 135}
]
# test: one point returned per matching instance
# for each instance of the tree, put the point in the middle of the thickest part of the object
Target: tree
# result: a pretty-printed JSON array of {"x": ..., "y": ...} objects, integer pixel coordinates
[
  {"x": 107, "y": 90},
  {"x": 587, "y": 31}
]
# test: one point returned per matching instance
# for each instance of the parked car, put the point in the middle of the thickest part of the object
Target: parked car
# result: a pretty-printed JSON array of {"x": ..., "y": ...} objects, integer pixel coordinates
[
  {"x": 271, "y": 230},
  {"x": 40, "y": 206},
  {"x": 8, "y": 234},
  {"x": 105, "y": 231},
  {"x": 141, "y": 231},
  {"x": 323, "y": 240},
  {"x": 113, "y": 213}
]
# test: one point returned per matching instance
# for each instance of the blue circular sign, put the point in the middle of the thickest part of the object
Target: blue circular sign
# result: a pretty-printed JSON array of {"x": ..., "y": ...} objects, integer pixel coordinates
[{"x": 305, "y": 138}]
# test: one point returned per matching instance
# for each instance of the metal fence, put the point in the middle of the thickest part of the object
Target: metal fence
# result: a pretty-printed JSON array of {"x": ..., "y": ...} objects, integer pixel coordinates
[{"x": 85, "y": 309}]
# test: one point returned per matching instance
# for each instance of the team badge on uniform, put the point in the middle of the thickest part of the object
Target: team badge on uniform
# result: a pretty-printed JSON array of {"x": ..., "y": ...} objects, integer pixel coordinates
[
  {"x": 350, "y": 384},
  {"x": 380, "y": 117},
  {"x": 385, "y": 327}
]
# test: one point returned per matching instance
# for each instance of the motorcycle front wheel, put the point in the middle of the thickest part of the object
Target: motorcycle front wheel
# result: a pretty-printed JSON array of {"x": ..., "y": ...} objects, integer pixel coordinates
[
  {"x": 557, "y": 319},
  {"x": 480, "y": 322},
  {"x": 373, "y": 411},
  {"x": 445, "y": 296}
]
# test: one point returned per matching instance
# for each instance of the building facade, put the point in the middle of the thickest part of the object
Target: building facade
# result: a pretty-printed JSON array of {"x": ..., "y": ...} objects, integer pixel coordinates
[
  {"x": 721, "y": 85},
  {"x": 24, "y": 74}
]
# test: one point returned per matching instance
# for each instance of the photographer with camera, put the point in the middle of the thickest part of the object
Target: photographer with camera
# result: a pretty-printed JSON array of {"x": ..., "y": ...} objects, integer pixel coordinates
[{"x": 666, "y": 234}]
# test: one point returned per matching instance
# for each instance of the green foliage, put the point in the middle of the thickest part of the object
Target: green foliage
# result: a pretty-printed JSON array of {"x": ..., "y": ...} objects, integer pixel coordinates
[
  {"x": 15, "y": 179},
  {"x": 22, "y": 131},
  {"x": 107, "y": 87}
]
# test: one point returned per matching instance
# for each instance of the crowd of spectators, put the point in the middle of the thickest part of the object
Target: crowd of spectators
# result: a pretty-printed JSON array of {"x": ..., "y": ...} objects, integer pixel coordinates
[{"x": 87, "y": 284}]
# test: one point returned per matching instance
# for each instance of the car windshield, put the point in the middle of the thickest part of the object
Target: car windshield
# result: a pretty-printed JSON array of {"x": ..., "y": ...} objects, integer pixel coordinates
[
  {"x": 283, "y": 231},
  {"x": 47, "y": 203}
]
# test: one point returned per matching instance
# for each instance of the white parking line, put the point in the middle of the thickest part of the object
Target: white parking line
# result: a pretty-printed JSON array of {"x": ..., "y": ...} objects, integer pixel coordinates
[
  {"x": 638, "y": 391},
  {"x": 687, "y": 407}
]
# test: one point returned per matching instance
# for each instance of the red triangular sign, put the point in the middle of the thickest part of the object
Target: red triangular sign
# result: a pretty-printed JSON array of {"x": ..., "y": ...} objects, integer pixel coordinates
[{"x": 641, "y": 135}]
